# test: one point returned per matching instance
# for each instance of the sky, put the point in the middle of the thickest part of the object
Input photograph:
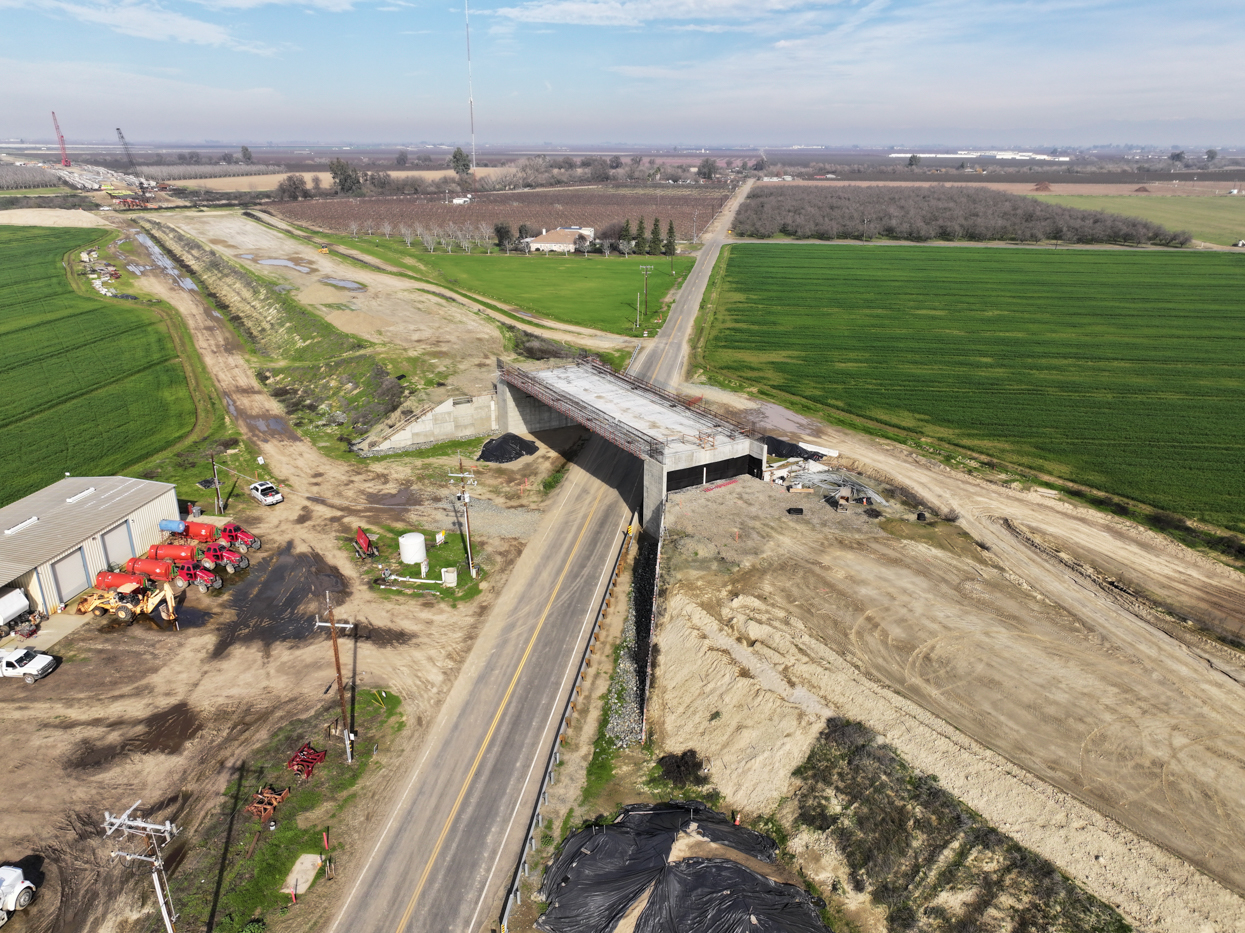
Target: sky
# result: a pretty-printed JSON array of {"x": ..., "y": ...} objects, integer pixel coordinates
[{"x": 645, "y": 72}]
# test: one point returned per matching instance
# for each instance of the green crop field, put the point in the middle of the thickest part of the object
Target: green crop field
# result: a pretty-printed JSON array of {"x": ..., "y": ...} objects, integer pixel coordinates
[
  {"x": 595, "y": 292},
  {"x": 1211, "y": 220},
  {"x": 1120, "y": 370},
  {"x": 87, "y": 386}
]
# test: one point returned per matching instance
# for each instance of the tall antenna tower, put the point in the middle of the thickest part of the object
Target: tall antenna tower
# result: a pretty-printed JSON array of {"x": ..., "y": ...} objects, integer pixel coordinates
[
  {"x": 471, "y": 103},
  {"x": 153, "y": 834}
]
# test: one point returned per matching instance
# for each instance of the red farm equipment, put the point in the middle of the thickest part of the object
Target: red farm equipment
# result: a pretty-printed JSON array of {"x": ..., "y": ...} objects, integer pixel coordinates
[
  {"x": 187, "y": 561},
  {"x": 173, "y": 552},
  {"x": 241, "y": 539},
  {"x": 217, "y": 555},
  {"x": 162, "y": 571},
  {"x": 364, "y": 546},
  {"x": 195, "y": 575}
]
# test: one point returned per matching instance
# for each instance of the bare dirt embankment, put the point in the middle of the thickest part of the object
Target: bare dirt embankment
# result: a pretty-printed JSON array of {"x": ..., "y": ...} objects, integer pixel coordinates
[{"x": 1035, "y": 696}]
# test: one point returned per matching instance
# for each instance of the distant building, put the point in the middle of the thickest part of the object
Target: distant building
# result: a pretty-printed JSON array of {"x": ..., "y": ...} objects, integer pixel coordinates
[{"x": 561, "y": 240}]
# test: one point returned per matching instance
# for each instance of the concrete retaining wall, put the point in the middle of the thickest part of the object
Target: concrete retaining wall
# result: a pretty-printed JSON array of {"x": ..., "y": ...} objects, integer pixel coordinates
[{"x": 453, "y": 418}]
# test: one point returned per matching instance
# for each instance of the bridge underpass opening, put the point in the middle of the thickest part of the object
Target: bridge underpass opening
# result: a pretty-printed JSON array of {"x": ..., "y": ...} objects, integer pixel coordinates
[{"x": 680, "y": 446}]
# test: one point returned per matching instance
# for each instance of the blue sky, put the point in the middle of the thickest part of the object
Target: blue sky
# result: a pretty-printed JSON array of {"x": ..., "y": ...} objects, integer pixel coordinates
[{"x": 659, "y": 72}]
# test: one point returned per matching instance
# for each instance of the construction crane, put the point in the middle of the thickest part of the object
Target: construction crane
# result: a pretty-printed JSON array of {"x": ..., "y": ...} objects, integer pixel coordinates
[
  {"x": 129, "y": 156},
  {"x": 60, "y": 139}
]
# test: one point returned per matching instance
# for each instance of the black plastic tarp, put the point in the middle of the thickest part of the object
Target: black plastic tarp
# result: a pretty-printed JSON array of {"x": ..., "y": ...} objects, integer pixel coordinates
[
  {"x": 600, "y": 872},
  {"x": 713, "y": 895},
  {"x": 506, "y": 449},
  {"x": 777, "y": 447}
]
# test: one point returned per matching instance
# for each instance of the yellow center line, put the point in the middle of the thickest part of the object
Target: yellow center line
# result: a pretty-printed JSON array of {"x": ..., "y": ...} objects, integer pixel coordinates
[{"x": 406, "y": 917}]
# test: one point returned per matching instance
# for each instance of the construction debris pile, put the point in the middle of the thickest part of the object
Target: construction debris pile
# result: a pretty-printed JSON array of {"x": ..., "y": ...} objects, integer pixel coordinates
[
  {"x": 600, "y": 872},
  {"x": 506, "y": 449}
]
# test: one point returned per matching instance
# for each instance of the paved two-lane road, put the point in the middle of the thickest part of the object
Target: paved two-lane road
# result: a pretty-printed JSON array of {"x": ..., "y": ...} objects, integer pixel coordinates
[{"x": 445, "y": 854}]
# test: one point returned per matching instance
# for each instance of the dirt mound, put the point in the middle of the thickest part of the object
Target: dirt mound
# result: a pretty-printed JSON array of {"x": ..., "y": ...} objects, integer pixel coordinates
[
  {"x": 1042, "y": 186},
  {"x": 506, "y": 449},
  {"x": 1142, "y": 190}
]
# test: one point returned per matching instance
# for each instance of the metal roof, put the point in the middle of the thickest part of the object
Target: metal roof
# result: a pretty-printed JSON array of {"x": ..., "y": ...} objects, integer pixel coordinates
[{"x": 67, "y": 512}]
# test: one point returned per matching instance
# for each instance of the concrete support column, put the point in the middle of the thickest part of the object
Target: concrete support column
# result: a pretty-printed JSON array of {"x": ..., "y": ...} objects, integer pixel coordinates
[{"x": 654, "y": 495}]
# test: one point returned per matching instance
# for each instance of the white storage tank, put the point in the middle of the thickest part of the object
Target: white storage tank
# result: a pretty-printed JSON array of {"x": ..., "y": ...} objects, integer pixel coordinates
[{"x": 412, "y": 548}]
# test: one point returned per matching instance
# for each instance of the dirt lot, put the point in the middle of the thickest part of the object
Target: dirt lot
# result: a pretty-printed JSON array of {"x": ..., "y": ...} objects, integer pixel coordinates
[
  {"x": 776, "y": 622},
  {"x": 51, "y": 217},
  {"x": 387, "y": 308}
]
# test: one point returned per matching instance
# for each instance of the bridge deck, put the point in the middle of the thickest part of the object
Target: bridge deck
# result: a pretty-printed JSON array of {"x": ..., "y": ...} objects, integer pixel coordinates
[{"x": 667, "y": 422}]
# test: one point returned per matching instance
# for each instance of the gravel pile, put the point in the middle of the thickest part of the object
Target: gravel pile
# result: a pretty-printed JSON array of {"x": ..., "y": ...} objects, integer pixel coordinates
[
  {"x": 493, "y": 520},
  {"x": 624, "y": 703},
  {"x": 628, "y": 691}
]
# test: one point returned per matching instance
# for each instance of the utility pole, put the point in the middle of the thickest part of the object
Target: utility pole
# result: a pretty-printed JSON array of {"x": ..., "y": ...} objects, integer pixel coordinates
[
  {"x": 341, "y": 687},
  {"x": 471, "y": 103},
  {"x": 465, "y": 498},
  {"x": 637, "y": 311},
  {"x": 694, "y": 213},
  {"x": 220, "y": 506},
  {"x": 154, "y": 834},
  {"x": 646, "y": 271}
]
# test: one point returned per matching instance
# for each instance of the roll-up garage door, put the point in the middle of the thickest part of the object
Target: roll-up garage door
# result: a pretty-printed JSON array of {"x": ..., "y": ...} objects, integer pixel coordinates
[
  {"x": 117, "y": 545},
  {"x": 70, "y": 575}
]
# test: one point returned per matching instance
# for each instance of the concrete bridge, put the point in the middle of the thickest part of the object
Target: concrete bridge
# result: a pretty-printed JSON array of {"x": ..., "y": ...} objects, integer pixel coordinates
[{"x": 680, "y": 445}]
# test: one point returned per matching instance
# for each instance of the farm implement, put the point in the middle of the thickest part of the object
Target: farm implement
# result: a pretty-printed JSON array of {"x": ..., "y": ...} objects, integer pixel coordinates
[
  {"x": 265, "y": 803},
  {"x": 188, "y": 563},
  {"x": 305, "y": 760},
  {"x": 232, "y": 534},
  {"x": 129, "y": 595},
  {"x": 364, "y": 547}
]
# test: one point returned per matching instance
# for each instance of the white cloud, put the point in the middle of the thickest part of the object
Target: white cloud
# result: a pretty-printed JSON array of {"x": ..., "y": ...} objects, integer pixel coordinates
[
  {"x": 631, "y": 12},
  {"x": 144, "y": 19}
]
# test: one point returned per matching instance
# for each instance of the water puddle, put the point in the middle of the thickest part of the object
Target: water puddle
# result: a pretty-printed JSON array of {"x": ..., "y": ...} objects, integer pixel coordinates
[
  {"x": 165, "y": 263},
  {"x": 345, "y": 283},
  {"x": 284, "y": 262}
]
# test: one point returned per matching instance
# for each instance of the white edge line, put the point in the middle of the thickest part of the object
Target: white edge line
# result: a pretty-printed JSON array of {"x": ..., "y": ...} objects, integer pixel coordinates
[
  {"x": 402, "y": 800},
  {"x": 596, "y": 605}
]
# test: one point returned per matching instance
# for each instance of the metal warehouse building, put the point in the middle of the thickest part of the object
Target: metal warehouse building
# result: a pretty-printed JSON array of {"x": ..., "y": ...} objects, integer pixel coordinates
[{"x": 54, "y": 541}]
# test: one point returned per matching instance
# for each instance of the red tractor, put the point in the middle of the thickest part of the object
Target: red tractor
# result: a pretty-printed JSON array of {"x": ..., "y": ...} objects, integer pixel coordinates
[
  {"x": 241, "y": 539},
  {"x": 195, "y": 575},
  {"x": 217, "y": 555}
]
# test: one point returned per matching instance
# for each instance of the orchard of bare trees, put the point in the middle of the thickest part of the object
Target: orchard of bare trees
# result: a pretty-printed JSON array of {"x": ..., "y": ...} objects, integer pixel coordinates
[{"x": 919, "y": 213}]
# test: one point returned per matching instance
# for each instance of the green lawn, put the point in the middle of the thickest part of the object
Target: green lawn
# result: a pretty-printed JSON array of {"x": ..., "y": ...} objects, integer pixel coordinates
[
  {"x": 1119, "y": 370},
  {"x": 594, "y": 292},
  {"x": 87, "y": 386},
  {"x": 1212, "y": 220}
]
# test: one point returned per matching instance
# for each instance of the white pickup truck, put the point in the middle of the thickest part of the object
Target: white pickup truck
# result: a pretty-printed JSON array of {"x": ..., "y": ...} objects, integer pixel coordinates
[
  {"x": 15, "y": 892},
  {"x": 26, "y": 663}
]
